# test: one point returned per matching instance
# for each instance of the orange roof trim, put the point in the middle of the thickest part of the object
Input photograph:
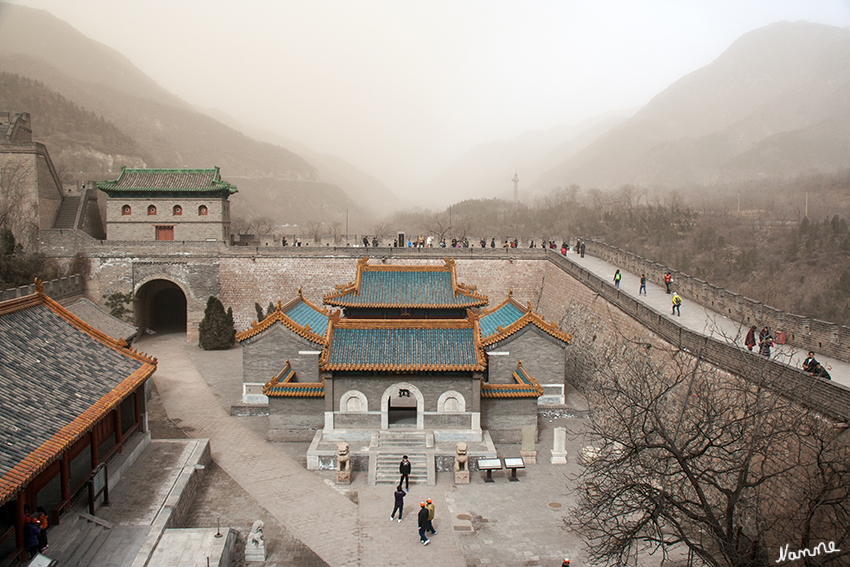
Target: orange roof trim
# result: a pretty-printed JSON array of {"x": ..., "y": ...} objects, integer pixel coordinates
[
  {"x": 34, "y": 463},
  {"x": 279, "y": 316},
  {"x": 528, "y": 318},
  {"x": 364, "y": 266}
]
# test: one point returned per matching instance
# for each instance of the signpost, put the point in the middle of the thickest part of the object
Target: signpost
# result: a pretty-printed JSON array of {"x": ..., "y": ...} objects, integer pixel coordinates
[{"x": 489, "y": 465}]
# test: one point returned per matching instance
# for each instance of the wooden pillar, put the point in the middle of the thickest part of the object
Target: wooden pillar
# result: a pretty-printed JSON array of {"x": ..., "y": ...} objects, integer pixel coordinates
[
  {"x": 19, "y": 523},
  {"x": 65, "y": 480},
  {"x": 93, "y": 446},
  {"x": 119, "y": 435},
  {"x": 137, "y": 405}
]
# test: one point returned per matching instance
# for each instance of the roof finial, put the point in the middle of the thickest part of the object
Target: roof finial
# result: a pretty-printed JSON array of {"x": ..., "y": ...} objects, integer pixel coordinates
[
  {"x": 299, "y": 293},
  {"x": 39, "y": 287},
  {"x": 519, "y": 363},
  {"x": 511, "y": 292},
  {"x": 529, "y": 306},
  {"x": 278, "y": 301}
]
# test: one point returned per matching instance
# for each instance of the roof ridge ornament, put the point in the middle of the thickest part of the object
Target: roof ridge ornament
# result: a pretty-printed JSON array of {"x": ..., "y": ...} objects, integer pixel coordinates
[{"x": 39, "y": 287}]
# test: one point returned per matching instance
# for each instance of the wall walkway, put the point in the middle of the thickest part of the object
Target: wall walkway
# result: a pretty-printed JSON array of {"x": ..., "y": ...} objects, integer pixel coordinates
[{"x": 831, "y": 339}]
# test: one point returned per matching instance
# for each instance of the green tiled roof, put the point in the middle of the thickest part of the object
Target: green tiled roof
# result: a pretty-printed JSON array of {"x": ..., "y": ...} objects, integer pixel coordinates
[
  {"x": 304, "y": 315},
  {"x": 505, "y": 315},
  {"x": 284, "y": 385},
  {"x": 419, "y": 289},
  {"x": 170, "y": 181},
  {"x": 418, "y": 347}
]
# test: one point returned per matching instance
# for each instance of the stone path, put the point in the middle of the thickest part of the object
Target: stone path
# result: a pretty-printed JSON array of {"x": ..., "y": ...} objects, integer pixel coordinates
[
  {"x": 339, "y": 531},
  {"x": 702, "y": 320}
]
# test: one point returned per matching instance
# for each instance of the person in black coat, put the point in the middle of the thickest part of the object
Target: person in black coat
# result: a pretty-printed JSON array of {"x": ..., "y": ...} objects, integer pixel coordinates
[
  {"x": 31, "y": 532},
  {"x": 404, "y": 469},
  {"x": 423, "y": 523},
  {"x": 811, "y": 363},
  {"x": 399, "y": 503}
]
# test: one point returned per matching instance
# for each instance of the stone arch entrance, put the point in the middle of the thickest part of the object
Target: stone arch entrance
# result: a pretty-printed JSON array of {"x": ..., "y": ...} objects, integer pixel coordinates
[
  {"x": 160, "y": 305},
  {"x": 402, "y": 406}
]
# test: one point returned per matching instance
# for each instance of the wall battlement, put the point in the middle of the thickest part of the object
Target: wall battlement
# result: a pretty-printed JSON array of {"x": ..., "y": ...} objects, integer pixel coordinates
[{"x": 828, "y": 338}]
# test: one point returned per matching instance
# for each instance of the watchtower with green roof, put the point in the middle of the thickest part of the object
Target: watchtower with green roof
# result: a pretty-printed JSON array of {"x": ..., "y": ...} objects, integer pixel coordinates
[{"x": 168, "y": 204}]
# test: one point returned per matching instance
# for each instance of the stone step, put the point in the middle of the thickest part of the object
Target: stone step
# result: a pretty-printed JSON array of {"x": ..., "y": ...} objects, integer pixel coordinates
[
  {"x": 67, "y": 213},
  {"x": 85, "y": 543},
  {"x": 386, "y": 468}
]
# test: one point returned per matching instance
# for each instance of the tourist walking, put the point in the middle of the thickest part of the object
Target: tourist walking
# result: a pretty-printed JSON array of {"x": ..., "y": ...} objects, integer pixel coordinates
[
  {"x": 404, "y": 469},
  {"x": 423, "y": 524},
  {"x": 42, "y": 525},
  {"x": 677, "y": 303},
  {"x": 668, "y": 279},
  {"x": 430, "y": 507},
  {"x": 642, "y": 289},
  {"x": 399, "y": 503},
  {"x": 617, "y": 278},
  {"x": 31, "y": 533},
  {"x": 582, "y": 248},
  {"x": 750, "y": 339},
  {"x": 821, "y": 372},
  {"x": 763, "y": 334},
  {"x": 810, "y": 364},
  {"x": 764, "y": 346}
]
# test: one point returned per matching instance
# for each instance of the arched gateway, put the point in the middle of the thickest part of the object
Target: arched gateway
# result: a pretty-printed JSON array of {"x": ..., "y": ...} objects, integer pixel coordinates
[{"x": 160, "y": 305}]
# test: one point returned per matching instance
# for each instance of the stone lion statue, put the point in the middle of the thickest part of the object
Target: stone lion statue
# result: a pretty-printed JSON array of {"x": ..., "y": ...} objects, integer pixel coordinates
[
  {"x": 461, "y": 458},
  {"x": 343, "y": 458},
  {"x": 255, "y": 538}
]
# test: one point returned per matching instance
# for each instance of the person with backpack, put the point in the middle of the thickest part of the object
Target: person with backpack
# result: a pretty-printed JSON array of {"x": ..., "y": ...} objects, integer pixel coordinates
[
  {"x": 677, "y": 303},
  {"x": 617, "y": 277}
]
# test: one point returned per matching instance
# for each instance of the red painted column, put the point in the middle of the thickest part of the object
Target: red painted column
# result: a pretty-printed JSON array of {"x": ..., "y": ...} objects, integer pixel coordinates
[
  {"x": 93, "y": 446},
  {"x": 65, "y": 480},
  {"x": 119, "y": 436}
]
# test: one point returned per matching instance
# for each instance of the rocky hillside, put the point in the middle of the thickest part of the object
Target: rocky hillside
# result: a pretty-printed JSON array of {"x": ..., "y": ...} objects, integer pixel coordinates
[
  {"x": 155, "y": 128},
  {"x": 775, "y": 103}
]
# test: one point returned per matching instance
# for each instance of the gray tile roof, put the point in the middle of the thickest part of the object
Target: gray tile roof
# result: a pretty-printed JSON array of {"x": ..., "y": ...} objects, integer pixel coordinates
[
  {"x": 102, "y": 321},
  {"x": 50, "y": 373}
]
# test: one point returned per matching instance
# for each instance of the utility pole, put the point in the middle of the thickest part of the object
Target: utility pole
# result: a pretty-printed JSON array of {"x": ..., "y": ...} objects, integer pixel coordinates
[
  {"x": 516, "y": 185},
  {"x": 807, "y": 204},
  {"x": 739, "y": 202},
  {"x": 346, "y": 227}
]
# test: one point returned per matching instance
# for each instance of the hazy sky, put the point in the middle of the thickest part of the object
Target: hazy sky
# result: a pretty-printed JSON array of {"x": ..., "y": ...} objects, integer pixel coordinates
[{"x": 399, "y": 88}]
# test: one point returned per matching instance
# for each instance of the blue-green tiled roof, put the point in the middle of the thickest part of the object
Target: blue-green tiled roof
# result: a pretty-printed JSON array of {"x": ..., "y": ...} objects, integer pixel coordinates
[
  {"x": 305, "y": 315},
  {"x": 403, "y": 349},
  {"x": 405, "y": 289},
  {"x": 501, "y": 317}
]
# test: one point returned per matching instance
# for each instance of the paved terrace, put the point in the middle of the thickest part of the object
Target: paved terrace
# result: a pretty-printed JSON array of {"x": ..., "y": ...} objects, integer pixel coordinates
[
  {"x": 514, "y": 524},
  {"x": 702, "y": 320}
]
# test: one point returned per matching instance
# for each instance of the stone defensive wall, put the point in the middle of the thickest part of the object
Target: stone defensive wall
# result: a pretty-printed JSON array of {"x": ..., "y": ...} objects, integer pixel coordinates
[
  {"x": 809, "y": 334},
  {"x": 594, "y": 311},
  {"x": 56, "y": 289}
]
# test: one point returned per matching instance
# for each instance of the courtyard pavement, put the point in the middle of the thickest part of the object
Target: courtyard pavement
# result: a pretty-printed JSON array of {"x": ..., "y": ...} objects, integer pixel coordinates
[
  {"x": 514, "y": 523},
  {"x": 701, "y": 319}
]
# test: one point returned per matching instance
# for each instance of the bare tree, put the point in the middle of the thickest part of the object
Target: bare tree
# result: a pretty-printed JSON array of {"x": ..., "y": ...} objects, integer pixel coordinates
[
  {"x": 335, "y": 229},
  {"x": 692, "y": 458},
  {"x": 439, "y": 225},
  {"x": 313, "y": 229},
  {"x": 381, "y": 229},
  {"x": 263, "y": 225},
  {"x": 241, "y": 225}
]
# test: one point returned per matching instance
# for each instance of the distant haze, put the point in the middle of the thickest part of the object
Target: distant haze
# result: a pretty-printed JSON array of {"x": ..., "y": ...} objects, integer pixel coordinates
[{"x": 401, "y": 89}]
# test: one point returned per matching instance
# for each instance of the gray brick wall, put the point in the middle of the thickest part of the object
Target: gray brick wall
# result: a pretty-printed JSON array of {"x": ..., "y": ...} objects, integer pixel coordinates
[
  {"x": 264, "y": 355},
  {"x": 542, "y": 355},
  {"x": 295, "y": 419},
  {"x": 504, "y": 418},
  {"x": 188, "y": 225}
]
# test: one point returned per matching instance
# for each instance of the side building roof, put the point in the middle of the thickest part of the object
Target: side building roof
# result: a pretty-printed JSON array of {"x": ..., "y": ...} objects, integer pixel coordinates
[
  {"x": 421, "y": 287},
  {"x": 167, "y": 182},
  {"x": 403, "y": 345},
  {"x": 510, "y": 317},
  {"x": 58, "y": 378},
  {"x": 298, "y": 315},
  {"x": 286, "y": 385},
  {"x": 524, "y": 387}
]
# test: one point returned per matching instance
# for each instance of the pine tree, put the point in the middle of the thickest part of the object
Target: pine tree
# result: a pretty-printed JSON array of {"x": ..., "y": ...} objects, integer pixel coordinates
[
  {"x": 259, "y": 311},
  {"x": 216, "y": 331},
  {"x": 270, "y": 309}
]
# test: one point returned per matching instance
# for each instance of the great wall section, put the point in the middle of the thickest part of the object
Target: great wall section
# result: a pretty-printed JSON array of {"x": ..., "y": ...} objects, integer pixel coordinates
[{"x": 592, "y": 309}]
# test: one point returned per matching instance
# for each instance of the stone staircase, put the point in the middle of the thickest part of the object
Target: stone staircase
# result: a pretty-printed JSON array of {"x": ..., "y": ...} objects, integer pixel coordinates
[
  {"x": 67, "y": 213},
  {"x": 386, "y": 452},
  {"x": 76, "y": 540}
]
